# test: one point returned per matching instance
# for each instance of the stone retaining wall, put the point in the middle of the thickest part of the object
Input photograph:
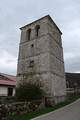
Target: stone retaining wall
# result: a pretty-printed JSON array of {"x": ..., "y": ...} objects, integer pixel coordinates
[{"x": 17, "y": 108}]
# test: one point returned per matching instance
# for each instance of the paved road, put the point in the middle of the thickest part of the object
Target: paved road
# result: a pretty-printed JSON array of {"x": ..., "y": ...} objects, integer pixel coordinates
[{"x": 70, "y": 112}]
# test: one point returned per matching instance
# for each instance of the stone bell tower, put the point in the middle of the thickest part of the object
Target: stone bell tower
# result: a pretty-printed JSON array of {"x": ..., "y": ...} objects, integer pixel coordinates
[{"x": 41, "y": 50}]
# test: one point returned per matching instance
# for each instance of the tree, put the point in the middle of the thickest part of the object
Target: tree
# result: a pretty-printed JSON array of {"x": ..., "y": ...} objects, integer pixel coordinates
[{"x": 29, "y": 91}]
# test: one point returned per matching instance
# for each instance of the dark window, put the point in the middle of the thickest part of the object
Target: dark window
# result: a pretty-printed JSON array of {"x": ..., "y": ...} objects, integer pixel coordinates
[
  {"x": 10, "y": 91},
  {"x": 31, "y": 64},
  {"x": 29, "y": 34},
  {"x": 32, "y": 45},
  {"x": 37, "y": 30}
]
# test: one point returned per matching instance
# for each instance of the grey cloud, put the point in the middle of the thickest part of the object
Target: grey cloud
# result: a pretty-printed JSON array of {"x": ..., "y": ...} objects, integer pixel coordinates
[
  {"x": 73, "y": 65},
  {"x": 65, "y": 13}
]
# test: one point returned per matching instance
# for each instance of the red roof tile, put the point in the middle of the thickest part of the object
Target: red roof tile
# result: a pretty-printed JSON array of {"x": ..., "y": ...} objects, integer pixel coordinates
[{"x": 6, "y": 79}]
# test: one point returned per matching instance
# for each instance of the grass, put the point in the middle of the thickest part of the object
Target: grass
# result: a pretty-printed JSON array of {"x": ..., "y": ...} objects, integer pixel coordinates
[{"x": 31, "y": 115}]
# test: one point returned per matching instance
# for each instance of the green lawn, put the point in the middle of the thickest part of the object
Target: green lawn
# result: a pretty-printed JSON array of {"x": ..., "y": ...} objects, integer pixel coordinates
[{"x": 30, "y": 115}]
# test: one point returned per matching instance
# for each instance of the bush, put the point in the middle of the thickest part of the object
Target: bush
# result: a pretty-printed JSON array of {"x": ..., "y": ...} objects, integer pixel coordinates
[{"x": 29, "y": 91}]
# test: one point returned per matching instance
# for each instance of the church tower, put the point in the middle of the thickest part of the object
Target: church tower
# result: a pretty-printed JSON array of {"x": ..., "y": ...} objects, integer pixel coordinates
[{"x": 40, "y": 50}]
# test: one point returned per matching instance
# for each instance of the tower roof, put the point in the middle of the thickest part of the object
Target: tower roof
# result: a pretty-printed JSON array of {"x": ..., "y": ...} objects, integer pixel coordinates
[{"x": 47, "y": 16}]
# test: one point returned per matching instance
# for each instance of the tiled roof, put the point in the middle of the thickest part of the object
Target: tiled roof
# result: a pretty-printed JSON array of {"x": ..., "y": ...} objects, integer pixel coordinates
[{"x": 6, "y": 79}]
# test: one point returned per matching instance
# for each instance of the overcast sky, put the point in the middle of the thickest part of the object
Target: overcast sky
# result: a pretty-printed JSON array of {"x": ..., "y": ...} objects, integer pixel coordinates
[{"x": 16, "y": 13}]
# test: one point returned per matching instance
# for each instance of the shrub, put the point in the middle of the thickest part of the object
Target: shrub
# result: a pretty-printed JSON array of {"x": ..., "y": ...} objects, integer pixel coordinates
[{"x": 29, "y": 91}]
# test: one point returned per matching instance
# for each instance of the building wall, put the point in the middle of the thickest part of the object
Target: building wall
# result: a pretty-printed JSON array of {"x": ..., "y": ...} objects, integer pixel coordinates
[
  {"x": 14, "y": 90},
  {"x": 4, "y": 91},
  {"x": 47, "y": 54},
  {"x": 40, "y": 52}
]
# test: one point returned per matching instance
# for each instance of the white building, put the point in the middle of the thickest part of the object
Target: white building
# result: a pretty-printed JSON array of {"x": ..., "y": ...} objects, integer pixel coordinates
[{"x": 7, "y": 85}]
